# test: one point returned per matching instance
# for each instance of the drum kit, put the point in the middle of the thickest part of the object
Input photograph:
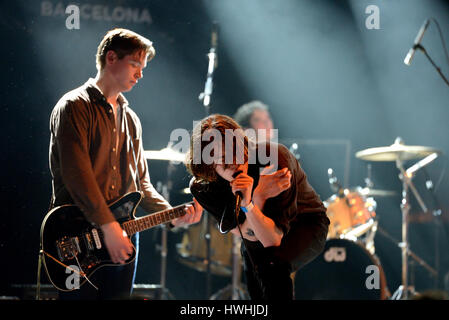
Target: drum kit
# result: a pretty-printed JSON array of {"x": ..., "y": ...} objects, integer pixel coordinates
[
  {"x": 341, "y": 271},
  {"x": 349, "y": 252}
]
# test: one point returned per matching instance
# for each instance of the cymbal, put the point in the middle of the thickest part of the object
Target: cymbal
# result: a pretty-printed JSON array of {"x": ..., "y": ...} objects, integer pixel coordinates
[
  {"x": 396, "y": 151},
  {"x": 376, "y": 192},
  {"x": 165, "y": 154}
]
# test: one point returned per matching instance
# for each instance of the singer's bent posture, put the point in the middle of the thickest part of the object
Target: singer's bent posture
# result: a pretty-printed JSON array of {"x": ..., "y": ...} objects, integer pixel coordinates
[{"x": 280, "y": 217}]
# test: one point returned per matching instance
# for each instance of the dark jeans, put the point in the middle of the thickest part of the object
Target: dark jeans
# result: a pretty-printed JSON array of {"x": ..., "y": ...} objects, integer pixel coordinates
[
  {"x": 113, "y": 282},
  {"x": 270, "y": 279},
  {"x": 270, "y": 282}
]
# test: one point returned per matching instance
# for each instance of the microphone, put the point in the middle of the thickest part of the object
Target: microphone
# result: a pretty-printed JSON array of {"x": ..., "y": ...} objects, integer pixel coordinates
[
  {"x": 238, "y": 194},
  {"x": 238, "y": 200},
  {"x": 411, "y": 52}
]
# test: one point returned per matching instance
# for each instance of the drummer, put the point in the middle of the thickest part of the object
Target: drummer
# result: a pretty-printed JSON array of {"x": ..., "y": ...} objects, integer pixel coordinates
[{"x": 255, "y": 115}]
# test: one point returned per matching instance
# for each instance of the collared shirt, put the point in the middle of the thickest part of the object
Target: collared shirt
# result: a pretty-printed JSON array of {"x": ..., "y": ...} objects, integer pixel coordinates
[{"x": 93, "y": 158}]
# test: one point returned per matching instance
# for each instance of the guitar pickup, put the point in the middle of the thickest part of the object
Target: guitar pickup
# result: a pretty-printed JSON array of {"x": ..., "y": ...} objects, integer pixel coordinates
[
  {"x": 88, "y": 241},
  {"x": 96, "y": 238}
]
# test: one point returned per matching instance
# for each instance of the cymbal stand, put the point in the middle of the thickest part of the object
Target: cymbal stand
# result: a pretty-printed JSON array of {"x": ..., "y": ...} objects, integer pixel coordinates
[
  {"x": 403, "y": 290},
  {"x": 164, "y": 292},
  {"x": 412, "y": 255},
  {"x": 234, "y": 291},
  {"x": 237, "y": 292}
]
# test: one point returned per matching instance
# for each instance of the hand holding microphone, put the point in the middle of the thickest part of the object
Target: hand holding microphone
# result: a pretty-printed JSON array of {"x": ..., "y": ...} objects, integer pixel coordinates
[{"x": 242, "y": 187}]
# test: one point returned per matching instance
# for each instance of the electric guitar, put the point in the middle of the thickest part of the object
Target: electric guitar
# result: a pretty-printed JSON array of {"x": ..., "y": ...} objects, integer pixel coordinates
[{"x": 70, "y": 245}]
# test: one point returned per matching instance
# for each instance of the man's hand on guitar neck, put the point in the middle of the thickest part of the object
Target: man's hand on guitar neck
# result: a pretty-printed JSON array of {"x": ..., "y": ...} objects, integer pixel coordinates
[
  {"x": 117, "y": 242},
  {"x": 192, "y": 216}
]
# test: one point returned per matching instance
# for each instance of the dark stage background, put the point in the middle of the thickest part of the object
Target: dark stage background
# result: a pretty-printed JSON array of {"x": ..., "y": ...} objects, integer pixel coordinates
[{"x": 334, "y": 87}]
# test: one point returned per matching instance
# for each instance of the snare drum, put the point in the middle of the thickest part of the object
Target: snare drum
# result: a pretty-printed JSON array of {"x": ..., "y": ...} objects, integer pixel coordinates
[{"x": 344, "y": 270}]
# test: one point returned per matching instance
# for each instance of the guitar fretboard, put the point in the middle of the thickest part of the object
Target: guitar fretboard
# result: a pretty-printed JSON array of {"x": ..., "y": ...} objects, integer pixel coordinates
[{"x": 141, "y": 224}]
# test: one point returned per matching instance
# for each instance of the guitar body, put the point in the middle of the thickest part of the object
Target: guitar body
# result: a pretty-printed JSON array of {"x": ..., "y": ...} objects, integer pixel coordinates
[{"x": 72, "y": 246}]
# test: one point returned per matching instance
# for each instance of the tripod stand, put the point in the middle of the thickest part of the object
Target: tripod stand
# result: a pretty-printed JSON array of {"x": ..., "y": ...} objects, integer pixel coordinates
[
  {"x": 406, "y": 177},
  {"x": 234, "y": 291},
  {"x": 165, "y": 294},
  {"x": 399, "y": 153}
]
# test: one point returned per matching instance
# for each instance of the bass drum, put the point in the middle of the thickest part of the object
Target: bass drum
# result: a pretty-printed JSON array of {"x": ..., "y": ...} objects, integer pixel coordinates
[
  {"x": 344, "y": 270},
  {"x": 192, "y": 250}
]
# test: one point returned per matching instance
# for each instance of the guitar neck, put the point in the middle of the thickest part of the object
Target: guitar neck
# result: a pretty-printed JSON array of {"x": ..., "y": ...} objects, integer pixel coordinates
[{"x": 144, "y": 223}]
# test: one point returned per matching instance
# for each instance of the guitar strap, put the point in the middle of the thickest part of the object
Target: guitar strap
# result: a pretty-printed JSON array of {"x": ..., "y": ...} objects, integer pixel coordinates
[{"x": 128, "y": 136}]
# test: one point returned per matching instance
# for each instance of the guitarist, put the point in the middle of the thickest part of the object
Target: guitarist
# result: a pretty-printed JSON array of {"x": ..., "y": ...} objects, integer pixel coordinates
[
  {"x": 281, "y": 218},
  {"x": 96, "y": 156}
]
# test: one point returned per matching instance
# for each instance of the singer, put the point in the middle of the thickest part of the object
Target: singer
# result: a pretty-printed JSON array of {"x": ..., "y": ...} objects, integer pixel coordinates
[{"x": 281, "y": 219}]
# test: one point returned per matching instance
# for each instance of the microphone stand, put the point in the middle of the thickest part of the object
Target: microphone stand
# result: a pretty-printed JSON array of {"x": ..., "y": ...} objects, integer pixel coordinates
[
  {"x": 420, "y": 47},
  {"x": 205, "y": 98}
]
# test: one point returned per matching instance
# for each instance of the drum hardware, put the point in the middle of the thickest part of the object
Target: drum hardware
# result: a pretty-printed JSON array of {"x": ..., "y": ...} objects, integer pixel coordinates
[
  {"x": 351, "y": 213},
  {"x": 236, "y": 290},
  {"x": 363, "y": 234},
  {"x": 193, "y": 251},
  {"x": 345, "y": 270},
  {"x": 173, "y": 157},
  {"x": 165, "y": 189},
  {"x": 412, "y": 255},
  {"x": 368, "y": 192},
  {"x": 398, "y": 152},
  {"x": 437, "y": 225},
  {"x": 165, "y": 154},
  {"x": 333, "y": 182}
]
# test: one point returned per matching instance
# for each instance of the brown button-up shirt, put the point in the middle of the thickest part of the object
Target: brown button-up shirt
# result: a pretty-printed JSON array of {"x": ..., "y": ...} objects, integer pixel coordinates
[{"x": 93, "y": 158}]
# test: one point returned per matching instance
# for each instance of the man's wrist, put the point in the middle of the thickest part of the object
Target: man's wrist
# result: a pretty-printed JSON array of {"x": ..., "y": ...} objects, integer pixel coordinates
[
  {"x": 248, "y": 207},
  {"x": 258, "y": 199}
]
